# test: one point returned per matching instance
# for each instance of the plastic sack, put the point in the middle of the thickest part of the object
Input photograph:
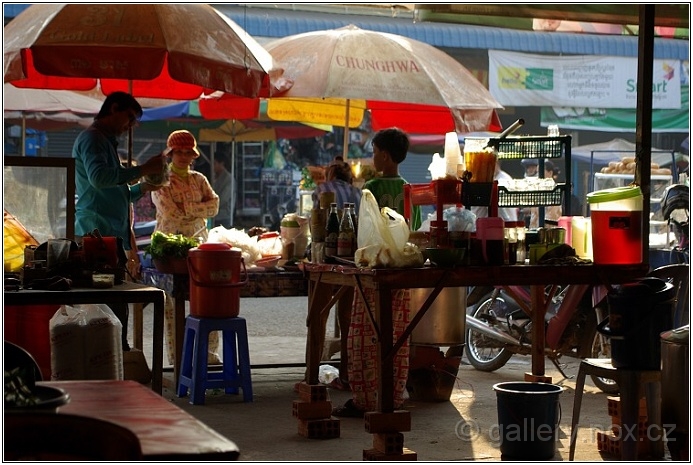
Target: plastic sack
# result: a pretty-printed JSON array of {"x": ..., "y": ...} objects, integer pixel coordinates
[
  {"x": 327, "y": 374},
  {"x": 382, "y": 237},
  {"x": 86, "y": 343}
]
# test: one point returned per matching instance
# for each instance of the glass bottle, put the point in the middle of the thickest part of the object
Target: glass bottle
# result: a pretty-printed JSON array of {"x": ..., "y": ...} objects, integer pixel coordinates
[
  {"x": 345, "y": 240},
  {"x": 332, "y": 231},
  {"x": 354, "y": 220}
]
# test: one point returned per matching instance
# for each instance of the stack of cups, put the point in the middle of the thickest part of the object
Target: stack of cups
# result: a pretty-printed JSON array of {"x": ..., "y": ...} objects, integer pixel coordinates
[{"x": 453, "y": 154}]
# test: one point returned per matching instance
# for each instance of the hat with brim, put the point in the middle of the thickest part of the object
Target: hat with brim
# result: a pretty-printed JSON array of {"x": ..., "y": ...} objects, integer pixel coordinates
[
  {"x": 529, "y": 162},
  {"x": 182, "y": 140}
]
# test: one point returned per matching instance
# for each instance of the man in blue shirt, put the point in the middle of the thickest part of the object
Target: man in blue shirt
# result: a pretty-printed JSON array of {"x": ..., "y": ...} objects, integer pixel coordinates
[
  {"x": 339, "y": 180},
  {"x": 103, "y": 191}
]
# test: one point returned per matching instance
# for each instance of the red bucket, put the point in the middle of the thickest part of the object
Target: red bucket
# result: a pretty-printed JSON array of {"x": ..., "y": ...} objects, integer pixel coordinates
[{"x": 215, "y": 280}]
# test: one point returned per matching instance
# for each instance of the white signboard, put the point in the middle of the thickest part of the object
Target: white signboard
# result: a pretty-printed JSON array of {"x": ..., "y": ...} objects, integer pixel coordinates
[{"x": 521, "y": 79}]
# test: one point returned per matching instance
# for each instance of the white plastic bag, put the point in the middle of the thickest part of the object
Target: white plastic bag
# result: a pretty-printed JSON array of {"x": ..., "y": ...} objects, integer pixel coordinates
[
  {"x": 86, "y": 343},
  {"x": 327, "y": 374},
  {"x": 382, "y": 237}
]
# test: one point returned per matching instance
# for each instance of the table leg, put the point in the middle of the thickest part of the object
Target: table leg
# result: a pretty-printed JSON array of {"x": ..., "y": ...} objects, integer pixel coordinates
[
  {"x": 383, "y": 315},
  {"x": 319, "y": 297},
  {"x": 538, "y": 336},
  {"x": 158, "y": 345},
  {"x": 629, "y": 414},
  {"x": 138, "y": 325},
  {"x": 344, "y": 319},
  {"x": 178, "y": 334}
]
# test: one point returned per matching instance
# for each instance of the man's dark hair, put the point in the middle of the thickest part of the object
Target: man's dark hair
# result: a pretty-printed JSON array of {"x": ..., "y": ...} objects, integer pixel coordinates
[
  {"x": 340, "y": 170},
  {"x": 123, "y": 100},
  {"x": 394, "y": 141}
]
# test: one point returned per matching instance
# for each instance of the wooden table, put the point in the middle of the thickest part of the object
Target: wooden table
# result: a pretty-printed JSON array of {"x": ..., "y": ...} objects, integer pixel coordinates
[
  {"x": 166, "y": 432},
  {"x": 324, "y": 279},
  {"x": 121, "y": 293}
]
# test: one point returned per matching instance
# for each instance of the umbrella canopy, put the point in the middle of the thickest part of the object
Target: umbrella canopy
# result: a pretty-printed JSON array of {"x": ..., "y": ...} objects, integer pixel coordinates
[
  {"x": 604, "y": 152},
  {"x": 30, "y": 100},
  {"x": 211, "y": 107},
  {"x": 247, "y": 131},
  {"x": 337, "y": 74},
  {"x": 150, "y": 50},
  {"x": 47, "y": 109}
]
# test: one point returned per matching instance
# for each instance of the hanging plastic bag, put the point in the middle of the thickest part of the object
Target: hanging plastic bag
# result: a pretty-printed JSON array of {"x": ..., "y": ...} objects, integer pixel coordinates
[{"x": 382, "y": 237}]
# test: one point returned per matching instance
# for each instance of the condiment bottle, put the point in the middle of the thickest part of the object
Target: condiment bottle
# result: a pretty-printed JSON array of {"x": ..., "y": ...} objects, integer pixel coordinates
[
  {"x": 345, "y": 240},
  {"x": 332, "y": 231}
]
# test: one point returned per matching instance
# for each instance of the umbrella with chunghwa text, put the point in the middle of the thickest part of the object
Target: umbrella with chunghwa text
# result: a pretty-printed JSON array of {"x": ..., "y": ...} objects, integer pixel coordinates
[{"x": 338, "y": 74}]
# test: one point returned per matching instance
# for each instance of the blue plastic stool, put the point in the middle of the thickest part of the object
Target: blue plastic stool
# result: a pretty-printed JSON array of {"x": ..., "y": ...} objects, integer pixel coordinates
[{"x": 236, "y": 363}]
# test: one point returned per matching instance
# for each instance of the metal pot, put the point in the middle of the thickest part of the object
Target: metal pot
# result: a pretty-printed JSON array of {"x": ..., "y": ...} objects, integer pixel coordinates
[{"x": 444, "y": 322}]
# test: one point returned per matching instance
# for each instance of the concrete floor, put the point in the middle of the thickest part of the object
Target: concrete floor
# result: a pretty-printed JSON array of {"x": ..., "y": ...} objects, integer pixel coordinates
[{"x": 463, "y": 428}]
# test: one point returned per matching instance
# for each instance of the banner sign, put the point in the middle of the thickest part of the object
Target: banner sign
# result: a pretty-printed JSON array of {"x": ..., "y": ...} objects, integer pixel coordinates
[
  {"x": 522, "y": 79},
  {"x": 617, "y": 119}
]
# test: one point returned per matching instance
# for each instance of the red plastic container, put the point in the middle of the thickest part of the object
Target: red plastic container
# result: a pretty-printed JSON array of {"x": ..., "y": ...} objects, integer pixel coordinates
[
  {"x": 28, "y": 326},
  {"x": 215, "y": 280}
]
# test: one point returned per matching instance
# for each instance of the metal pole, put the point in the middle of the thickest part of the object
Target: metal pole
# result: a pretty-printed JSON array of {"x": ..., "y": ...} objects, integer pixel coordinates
[{"x": 643, "y": 122}]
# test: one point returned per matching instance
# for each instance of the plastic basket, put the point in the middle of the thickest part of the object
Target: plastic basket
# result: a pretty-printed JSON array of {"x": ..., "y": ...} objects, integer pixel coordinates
[
  {"x": 508, "y": 198},
  {"x": 531, "y": 147}
]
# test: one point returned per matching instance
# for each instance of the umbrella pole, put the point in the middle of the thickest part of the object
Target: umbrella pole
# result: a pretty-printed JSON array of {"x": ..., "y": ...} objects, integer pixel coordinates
[
  {"x": 345, "y": 150},
  {"x": 131, "y": 132},
  {"x": 22, "y": 139}
]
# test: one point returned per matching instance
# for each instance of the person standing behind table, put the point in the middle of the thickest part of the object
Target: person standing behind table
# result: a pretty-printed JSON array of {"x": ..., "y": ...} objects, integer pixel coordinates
[
  {"x": 183, "y": 207},
  {"x": 104, "y": 195},
  {"x": 225, "y": 187},
  {"x": 339, "y": 180},
  {"x": 508, "y": 214},
  {"x": 551, "y": 212},
  {"x": 390, "y": 148}
]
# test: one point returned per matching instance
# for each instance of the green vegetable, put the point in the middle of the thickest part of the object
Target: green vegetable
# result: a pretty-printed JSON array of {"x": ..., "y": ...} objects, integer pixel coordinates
[{"x": 164, "y": 246}]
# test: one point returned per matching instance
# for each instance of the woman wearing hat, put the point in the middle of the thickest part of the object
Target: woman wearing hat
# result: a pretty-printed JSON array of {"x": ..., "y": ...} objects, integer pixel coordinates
[{"x": 182, "y": 207}]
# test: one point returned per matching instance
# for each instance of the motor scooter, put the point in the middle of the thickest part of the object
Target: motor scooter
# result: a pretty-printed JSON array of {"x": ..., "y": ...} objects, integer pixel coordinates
[{"x": 499, "y": 326}]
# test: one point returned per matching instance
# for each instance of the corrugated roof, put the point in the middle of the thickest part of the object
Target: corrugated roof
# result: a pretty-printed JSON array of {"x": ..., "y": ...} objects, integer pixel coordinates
[
  {"x": 275, "y": 23},
  {"x": 280, "y": 23}
]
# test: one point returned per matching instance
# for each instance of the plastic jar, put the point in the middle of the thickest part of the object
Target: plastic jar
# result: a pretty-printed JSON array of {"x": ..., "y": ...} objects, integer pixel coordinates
[
  {"x": 616, "y": 225},
  {"x": 438, "y": 236}
]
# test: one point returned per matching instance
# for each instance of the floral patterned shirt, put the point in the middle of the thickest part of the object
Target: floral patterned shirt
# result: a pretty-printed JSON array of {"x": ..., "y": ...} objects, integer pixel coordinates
[{"x": 184, "y": 205}]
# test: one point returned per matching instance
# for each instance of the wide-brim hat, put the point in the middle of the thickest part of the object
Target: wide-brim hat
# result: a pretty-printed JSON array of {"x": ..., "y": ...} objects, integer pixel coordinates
[
  {"x": 529, "y": 162},
  {"x": 182, "y": 139}
]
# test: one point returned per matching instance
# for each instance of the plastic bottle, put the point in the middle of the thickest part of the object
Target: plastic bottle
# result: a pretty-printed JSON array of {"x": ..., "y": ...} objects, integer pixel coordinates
[
  {"x": 332, "y": 232},
  {"x": 345, "y": 240}
]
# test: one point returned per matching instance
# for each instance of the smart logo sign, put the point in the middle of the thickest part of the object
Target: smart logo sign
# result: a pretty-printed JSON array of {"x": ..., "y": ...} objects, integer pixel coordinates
[
  {"x": 661, "y": 82},
  {"x": 518, "y": 79},
  {"x": 526, "y": 78}
]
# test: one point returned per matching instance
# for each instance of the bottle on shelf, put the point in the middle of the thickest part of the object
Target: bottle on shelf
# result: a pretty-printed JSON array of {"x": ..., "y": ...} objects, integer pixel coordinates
[
  {"x": 332, "y": 231},
  {"x": 345, "y": 239}
]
